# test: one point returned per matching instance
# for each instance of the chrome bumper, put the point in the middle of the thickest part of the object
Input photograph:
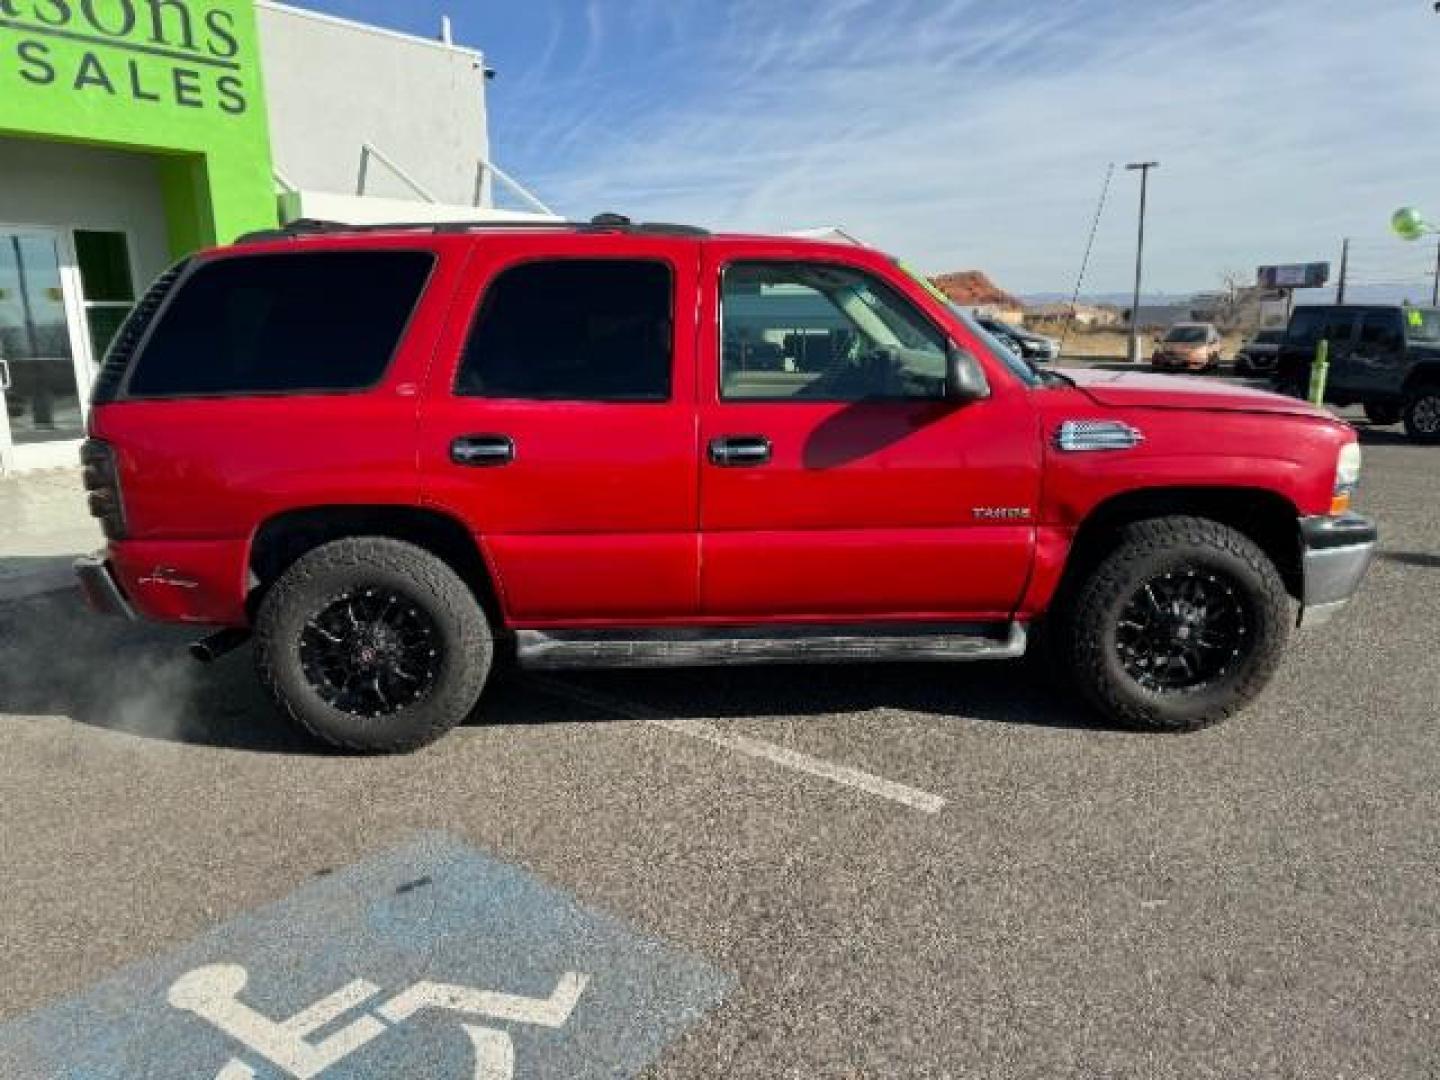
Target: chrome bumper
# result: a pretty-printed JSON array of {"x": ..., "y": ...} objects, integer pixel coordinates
[
  {"x": 99, "y": 587},
  {"x": 1335, "y": 554}
]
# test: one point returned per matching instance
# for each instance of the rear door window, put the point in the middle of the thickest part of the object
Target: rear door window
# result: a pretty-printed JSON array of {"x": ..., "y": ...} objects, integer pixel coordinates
[
  {"x": 1381, "y": 331},
  {"x": 259, "y": 324},
  {"x": 573, "y": 330}
]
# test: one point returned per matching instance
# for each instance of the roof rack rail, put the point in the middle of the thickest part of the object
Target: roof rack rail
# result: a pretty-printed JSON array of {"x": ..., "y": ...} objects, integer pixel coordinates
[
  {"x": 600, "y": 223},
  {"x": 621, "y": 223}
]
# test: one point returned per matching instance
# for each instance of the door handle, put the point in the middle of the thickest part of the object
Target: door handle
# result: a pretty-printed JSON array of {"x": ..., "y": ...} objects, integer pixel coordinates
[
  {"x": 739, "y": 451},
  {"x": 483, "y": 451},
  {"x": 4, "y": 375}
]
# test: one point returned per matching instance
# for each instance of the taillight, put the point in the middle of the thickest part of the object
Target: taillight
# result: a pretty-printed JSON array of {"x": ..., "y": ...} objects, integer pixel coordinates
[{"x": 102, "y": 481}]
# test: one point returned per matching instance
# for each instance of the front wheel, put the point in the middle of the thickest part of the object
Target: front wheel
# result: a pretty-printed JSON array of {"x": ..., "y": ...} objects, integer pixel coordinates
[
  {"x": 373, "y": 645},
  {"x": 1179, "y": 627},
  {"x": 1422, "y": 414}
]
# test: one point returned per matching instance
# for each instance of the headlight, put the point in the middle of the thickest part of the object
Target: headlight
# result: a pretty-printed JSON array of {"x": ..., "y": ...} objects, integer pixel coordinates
[{"x": 1347, "y": 477}]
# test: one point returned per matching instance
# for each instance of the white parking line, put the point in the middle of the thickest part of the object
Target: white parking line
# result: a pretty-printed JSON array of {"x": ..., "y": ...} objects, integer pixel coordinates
[{"x": 705, "y": 731}]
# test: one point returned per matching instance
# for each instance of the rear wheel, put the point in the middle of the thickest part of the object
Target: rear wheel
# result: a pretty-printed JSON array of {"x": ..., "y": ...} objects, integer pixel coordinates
[
  {"x": 1179, "y": 627},
  {"x": 373, "y": 645},
  {"x": 1422, "y": 414},
  {"x": 1383, "y": 415}
]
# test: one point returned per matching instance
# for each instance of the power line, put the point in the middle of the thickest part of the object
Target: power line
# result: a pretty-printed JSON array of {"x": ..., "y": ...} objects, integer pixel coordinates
[{"x": 1085, "y": 260}]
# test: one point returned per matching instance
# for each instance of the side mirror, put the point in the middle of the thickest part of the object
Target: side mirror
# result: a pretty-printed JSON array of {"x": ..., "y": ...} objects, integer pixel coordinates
[{"x": 964, "y": 377}]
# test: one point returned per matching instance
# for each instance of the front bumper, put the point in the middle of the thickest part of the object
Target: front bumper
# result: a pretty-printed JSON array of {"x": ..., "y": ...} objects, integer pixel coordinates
[
  {"x": 99, "y": 587},
  {"x": 1335, "y": 552}
]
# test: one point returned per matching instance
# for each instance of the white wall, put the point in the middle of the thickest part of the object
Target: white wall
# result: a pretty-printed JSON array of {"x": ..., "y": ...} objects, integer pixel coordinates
[
  {"x": 69, "y": 186},
  {"x": 331, "y": 85}
]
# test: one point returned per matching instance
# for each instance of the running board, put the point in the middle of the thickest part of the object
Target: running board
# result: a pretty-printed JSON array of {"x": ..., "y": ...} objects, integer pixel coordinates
[{"x": 788, "y": 644}]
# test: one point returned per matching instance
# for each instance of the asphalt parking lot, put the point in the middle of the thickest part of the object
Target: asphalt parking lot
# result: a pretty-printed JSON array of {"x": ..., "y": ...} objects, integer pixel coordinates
[{"x": 890, "y": 871}]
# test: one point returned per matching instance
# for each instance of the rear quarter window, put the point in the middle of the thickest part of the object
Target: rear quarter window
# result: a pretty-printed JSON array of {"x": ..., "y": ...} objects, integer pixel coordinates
[{"x": 291, "y": 323}]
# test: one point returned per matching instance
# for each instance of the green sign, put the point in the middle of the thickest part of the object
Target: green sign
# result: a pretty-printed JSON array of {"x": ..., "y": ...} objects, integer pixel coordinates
[{"x": 176, "y": 78}]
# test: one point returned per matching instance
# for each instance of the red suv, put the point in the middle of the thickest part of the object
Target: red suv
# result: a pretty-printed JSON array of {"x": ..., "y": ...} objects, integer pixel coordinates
[{"x": 395, "y": 452}]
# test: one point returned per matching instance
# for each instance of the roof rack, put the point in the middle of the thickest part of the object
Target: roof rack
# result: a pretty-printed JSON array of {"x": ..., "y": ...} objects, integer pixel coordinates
[{"x": 599, "y": 223}]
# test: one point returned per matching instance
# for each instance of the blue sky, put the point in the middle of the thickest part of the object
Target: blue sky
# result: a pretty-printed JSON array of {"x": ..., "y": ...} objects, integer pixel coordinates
[{"x": 974, "y": 133}]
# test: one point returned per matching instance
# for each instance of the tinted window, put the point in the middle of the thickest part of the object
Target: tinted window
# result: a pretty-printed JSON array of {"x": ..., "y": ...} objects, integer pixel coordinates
[
  {"x": 573, "y": 330},
  {"x": 825, "y": 333},
  {"x": 1422, "y": 324},
  {"x": 1381, "y": 329},
  {"x": 269, "y": 323},
  {"x": 1309, "y": 325},
  {"x": 1187, "y": 334}
]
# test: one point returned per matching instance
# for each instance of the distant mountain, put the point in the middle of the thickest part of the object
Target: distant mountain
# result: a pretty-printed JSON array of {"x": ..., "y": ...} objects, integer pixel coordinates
[
  {"x": 1117, "y": 299},
  {"x": 1419, "y": 293},
  {"x": 971, "y": 288}
]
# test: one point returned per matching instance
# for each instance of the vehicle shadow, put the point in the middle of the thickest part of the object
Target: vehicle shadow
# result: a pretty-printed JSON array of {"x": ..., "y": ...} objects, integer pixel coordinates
[
  {"x": 58, "y": 660},
  {"x": 1370, "y": 435},
  {"x": 23, "y": 576},
  {"x": 1424, "y": 559},
  {"x": 1017, "y": 693}
]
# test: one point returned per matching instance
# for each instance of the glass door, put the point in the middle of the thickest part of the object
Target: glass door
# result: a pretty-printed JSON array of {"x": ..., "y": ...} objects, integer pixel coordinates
[{"x": 44, "y": 361}]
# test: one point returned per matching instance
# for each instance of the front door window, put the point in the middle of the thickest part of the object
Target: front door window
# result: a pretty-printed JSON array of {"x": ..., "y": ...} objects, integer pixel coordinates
[{"x": 42, "y": 401}]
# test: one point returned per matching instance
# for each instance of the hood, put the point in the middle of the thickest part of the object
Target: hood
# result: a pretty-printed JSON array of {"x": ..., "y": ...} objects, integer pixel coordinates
[{"x": 1125, "y": 389}]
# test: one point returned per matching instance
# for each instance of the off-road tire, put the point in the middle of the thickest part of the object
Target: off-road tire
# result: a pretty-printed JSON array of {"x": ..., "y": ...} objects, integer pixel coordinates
[
  {"x": 1086, "y": 631},
  {"x": 1417, "y": 426},
  {"x": 332, "y": 570},
  {"x": 1383, "y": 415}
]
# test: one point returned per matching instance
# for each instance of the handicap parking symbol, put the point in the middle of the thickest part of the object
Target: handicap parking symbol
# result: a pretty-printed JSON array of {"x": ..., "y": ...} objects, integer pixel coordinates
[
  {"x": 430, "y": 960},
  {"x": 212, "y": 994}
]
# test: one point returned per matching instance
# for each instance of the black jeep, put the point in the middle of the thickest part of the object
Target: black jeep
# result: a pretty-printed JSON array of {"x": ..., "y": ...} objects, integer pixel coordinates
[{"x": 1385, "y": 357}]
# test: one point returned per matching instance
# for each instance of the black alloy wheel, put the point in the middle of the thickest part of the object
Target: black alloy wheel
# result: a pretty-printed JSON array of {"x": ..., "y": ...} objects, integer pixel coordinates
[
  {"x": 1183, "y": 631},
  {"x": 371, "y": 652},
  {"x": 1422, "y": 414}
]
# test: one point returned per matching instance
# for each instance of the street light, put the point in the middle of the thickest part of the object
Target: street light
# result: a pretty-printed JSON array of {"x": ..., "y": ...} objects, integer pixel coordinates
[{"x": 1144, "y": 168}]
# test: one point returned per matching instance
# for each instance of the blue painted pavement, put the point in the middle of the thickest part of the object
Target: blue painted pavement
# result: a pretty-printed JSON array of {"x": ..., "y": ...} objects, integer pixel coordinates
[{"x": 432, "y": 960}]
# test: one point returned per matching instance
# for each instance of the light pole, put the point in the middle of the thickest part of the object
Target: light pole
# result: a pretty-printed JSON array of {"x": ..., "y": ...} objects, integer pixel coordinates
[{"x": 1144, "y": 168}]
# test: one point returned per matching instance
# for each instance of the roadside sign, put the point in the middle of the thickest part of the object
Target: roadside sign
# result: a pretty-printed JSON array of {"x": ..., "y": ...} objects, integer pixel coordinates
[
  {"x": 431, "y": 960},
  {"x": 1294, "y": 276}
]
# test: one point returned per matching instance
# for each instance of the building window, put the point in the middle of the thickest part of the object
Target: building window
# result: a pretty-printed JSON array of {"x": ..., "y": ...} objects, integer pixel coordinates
[{"x": 106, "y": 284}]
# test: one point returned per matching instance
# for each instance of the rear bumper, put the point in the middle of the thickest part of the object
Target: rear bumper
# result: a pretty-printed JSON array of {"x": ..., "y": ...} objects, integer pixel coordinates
[
  {"x": 1336, "y": 553},
  {"x": 185, "y": 581},
  {"x": 99, "y": 587}
]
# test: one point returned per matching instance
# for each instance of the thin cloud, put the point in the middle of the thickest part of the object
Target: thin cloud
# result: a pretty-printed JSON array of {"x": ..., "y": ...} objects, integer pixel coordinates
[{"x": 975, "y": 132}]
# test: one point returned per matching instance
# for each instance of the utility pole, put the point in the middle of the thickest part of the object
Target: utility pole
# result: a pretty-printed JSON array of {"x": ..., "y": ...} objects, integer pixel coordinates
[
  {"x": 1344, "y": 270},
  {"x": 1435, "y": 289},
  {"x": 1143, "y": 167}
]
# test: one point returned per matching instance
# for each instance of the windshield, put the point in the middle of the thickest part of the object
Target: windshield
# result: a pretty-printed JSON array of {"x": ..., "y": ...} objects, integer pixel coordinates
[
  {"x": 1423, "y": 324},
  {"x": 1012, "y": 360},
  {"x": 1186, "y": 334}
]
